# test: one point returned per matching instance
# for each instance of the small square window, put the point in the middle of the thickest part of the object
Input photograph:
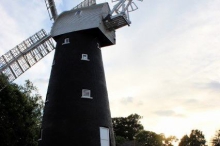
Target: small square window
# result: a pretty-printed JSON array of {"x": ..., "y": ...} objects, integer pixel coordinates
[
  {"x": 66, "y": 41},
  {"x": 86, "y": 93},
  {"x": 85, "y": 57},
  {"x": 78, "y": 12}
]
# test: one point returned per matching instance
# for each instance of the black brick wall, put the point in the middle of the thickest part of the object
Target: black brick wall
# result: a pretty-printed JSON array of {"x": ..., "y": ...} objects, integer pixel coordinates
[{"x": 68, "y": 119}]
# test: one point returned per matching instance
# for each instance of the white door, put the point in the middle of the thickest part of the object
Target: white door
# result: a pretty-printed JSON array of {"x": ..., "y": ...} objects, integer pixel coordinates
[{"x": 104, "y": 136}]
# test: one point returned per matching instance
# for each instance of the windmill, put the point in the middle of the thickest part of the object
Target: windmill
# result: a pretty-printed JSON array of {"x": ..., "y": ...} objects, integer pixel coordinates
[{"x": 76, "y": 109}]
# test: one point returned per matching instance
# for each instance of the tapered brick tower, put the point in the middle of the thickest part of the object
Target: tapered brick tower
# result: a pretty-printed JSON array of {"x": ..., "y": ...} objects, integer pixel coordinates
[{"x": 77, "y": 107}]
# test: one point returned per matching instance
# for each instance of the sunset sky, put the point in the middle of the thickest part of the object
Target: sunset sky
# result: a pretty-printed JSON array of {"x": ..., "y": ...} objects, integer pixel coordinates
[{"x": 164, "y": 67}]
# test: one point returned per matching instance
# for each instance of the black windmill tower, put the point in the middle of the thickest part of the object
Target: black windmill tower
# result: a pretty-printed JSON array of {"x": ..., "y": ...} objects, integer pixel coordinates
[{"x": 76, "y": 108}]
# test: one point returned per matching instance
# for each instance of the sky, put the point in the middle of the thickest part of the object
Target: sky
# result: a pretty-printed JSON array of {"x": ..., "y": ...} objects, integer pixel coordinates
[{"x": 164, "y": 67}]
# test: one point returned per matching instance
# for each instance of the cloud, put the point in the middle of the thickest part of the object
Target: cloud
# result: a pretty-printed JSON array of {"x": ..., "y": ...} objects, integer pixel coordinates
[
  {"x": 191, "y": 101},
  {"x": 208, "y": 85},
  {"x": 10, "y": 31},
  {"x": 42, "y": 81},
  {"x": 126, "y": 100},
  {"x": 168, "y": 113},
  {"x": 214, "y": 85},
  {"x": 165, "y": 113}
]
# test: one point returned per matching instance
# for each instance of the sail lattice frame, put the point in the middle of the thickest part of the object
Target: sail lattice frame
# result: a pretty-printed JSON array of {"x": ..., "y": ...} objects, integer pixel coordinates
[
  {"x": 85, "y": 3},
  {"x": 22, "y": 57}
]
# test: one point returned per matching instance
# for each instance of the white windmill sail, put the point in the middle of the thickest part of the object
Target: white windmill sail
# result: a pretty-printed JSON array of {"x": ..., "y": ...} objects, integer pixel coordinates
[
  {"x": 121, "y": 12},
  {"x": 51, "y": 8},
  {"x": 85, "y": 3},
  {"x": 22, "y": 57}
]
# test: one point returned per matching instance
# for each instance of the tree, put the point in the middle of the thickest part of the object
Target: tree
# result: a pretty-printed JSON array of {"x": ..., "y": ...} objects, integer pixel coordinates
[
  {"x": 167, "y": 141},
  {"x": 184, "y": 141},
  {"x": 196, "y": 138},
  {"x": 216, "y": 140},
  {"x": 3, "y": 81},
  {"x": 20, "y": 114},
  {"x": 127, "y": 127},
  {"x": 119, "y": 140},
  {"x": 149, "y": 138}
]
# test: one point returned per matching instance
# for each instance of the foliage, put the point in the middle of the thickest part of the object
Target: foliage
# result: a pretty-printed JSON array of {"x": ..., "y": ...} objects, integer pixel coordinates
[
  {"x": 3, "y": 81},
  {"x": 20, "y": 114},
  {"x": 167, "y": 141},
  {"x": 184, "y": 141},
  {"x": 119, "y": 140},
  {"x": 127, "y": 127},
  {"x": 149, "y": 138},
  {"x": 216, "y": 140},
  {"x": 196, "y": 138}
]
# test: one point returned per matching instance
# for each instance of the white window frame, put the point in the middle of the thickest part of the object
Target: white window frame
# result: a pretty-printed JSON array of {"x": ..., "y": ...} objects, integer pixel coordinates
[
  {"x": 86, "y": 93},
  {"x": 79, "y": 12},
  {"x": 66, "y": 41},
  {"x": 85, "y": 57},
  {"x": 104, "y": 138}
]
